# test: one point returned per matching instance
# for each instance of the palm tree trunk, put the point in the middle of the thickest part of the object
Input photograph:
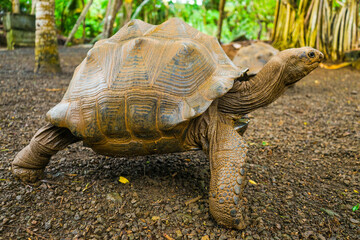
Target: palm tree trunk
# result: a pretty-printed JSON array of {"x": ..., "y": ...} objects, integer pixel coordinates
[{"x": 46, "y": 51}]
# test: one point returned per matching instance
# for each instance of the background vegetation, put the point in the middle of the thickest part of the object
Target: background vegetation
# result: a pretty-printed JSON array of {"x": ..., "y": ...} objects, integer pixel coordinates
[
  {"x": 243, "y": 18},
  {"x": 331, "y": 26}
]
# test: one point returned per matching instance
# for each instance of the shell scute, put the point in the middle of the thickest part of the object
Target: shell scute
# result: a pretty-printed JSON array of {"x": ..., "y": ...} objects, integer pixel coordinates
[
  {"x": 141, "y": 115},
  {"x": 111, "y": 111}
]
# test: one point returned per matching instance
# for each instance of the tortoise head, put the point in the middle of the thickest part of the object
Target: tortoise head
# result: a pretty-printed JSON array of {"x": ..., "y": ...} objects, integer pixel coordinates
[
  {"x": 298, "y": 62},
  {"x": 283, "y": 70}
]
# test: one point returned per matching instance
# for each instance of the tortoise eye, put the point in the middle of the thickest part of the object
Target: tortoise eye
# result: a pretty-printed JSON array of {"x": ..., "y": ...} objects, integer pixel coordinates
[{"x": 311, "y": 54}]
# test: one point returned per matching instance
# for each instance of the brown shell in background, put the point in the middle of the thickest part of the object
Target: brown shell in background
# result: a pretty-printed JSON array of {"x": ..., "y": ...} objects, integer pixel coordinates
[
  {"x": 254, "y": 56},
  {"x": 143, "y": 82}
]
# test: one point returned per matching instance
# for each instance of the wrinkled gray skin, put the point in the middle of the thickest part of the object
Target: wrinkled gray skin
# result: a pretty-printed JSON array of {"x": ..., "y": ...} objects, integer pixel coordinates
[{"x": 213, "y": 132}]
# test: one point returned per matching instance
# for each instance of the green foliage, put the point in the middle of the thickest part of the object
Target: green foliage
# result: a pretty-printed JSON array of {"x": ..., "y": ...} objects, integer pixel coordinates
[
  {"x": 68, "y": 11},
  {"x": 356, "y": 207},
  {"x": 5, "y": 6},
  {"x": 242, "y": 17}
]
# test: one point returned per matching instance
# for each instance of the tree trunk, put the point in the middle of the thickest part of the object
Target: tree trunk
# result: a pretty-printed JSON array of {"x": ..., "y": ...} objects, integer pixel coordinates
[
  {"x": 78, "y": 22},
  {"x": 46, "y": 52},
  {"x": 116, "y": 6},
  {"x": 128, "y": 8},
  {"x": 221, "y": 18},
  {"x": 33, "y": 5},
  {"x": 110, "y": 17},
  {"x": 15, "y": 6},
  {"x": 106, "y": 20},
  {"x": 84, "y": 24},
  {"x": 140, "y": 7}
]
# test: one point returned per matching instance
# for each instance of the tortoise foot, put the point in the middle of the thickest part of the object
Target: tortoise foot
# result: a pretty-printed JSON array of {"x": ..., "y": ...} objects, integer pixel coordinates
[
  {"x": 28, "y": 175},
  {"x": 227, "y": 209}
]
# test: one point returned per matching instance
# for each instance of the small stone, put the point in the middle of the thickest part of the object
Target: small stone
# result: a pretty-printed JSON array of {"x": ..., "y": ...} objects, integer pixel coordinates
[
  {"x": 77, "y": 216},
  {"x": 278, "y": 226},
  {"x": 43, "y": 186},
  {"x": 78, "y": 189},
  {"x": 223, "y": 237},
  {"x": 115, "y": 197},
  {"x": 233, "y": 213},
  {"x": 178, "y": 234},
  {"x": 168, "y": 209},
  {"x": 321, "y": 237},
  {"x": 242, "y": 171},
  {"x": 5, "y": 221},
  {"x": 47, "y": 225},
  {"x": 353, "y": 92},
  {"x": 354, "y": 221},
  {"x": 307, "y": 234},
  {"x": 18, "y": 197},
  {"x": 155, "y": 218},
  {"x": 100, "y": 219}
]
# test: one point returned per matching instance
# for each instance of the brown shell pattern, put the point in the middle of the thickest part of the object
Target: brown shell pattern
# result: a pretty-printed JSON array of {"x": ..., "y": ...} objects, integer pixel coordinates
[{"x": 143, "y": 82}]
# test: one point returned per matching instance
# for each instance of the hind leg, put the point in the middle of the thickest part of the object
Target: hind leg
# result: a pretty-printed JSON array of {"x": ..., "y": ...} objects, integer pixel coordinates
[{"x": 30, "y": 162}]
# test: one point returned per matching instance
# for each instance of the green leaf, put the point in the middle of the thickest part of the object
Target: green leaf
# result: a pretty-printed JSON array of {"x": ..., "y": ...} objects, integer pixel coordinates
[{"x": 356, "y": 207}]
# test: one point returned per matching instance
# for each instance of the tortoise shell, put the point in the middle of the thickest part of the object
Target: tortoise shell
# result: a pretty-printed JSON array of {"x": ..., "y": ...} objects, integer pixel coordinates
[
  {"x": 254, "y": 56},
  {"x": 137, "y": 90}
]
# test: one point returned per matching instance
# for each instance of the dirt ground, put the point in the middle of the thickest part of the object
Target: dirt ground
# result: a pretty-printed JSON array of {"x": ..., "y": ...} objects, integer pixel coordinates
[{"x": 303, "y": 164}]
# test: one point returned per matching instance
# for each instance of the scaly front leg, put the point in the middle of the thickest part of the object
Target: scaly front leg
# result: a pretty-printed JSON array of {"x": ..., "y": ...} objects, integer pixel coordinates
[
  {"x": 30, "y": 162},
  {"x": 227, "y": 152}
]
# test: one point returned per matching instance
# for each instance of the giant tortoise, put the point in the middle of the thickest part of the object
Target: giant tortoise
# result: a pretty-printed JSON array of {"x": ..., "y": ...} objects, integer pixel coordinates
[{"x": 161, "y": 89}]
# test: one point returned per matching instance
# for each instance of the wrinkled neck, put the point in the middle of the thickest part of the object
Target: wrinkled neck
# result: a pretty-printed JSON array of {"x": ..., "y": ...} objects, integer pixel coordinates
[{"x": 258, "y": 91}]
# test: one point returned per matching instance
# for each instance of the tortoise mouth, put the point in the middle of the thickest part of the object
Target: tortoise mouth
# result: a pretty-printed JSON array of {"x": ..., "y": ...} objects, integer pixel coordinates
[{"x": 315, "y": 63}]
